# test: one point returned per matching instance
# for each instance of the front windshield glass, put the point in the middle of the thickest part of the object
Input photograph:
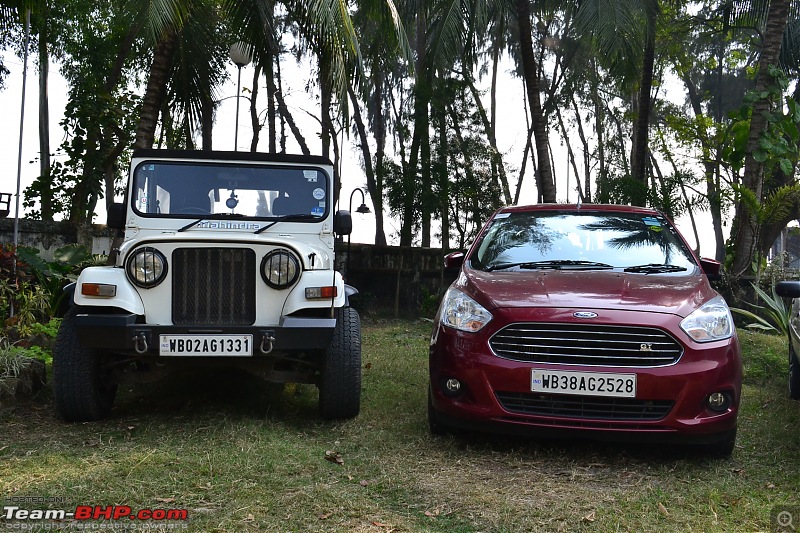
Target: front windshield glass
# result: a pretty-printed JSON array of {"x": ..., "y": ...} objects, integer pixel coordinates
[
  {"x": 581, "y": 240},
  {"x": 191, "y": 190}
]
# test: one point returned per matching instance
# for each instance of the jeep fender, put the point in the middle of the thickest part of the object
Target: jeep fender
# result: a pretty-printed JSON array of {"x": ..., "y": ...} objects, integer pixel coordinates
[
  {"x": 296, "y": 299},
  {"x": 126, "y": 298}
]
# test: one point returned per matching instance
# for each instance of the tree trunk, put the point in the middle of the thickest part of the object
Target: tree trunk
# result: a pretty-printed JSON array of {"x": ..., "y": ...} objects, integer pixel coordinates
[
  {"x": 379, "y": 127},
  {"x": 254, "y": 122},
  {"x": 746, "y": 241},
  {"x": 46, "y": 193},
  {"x": 530, "y": 68},
  {"x": 640, "y": 148},
  {"x": 272, "y": 129},
  {"x": 156, "y": 89},
  {"x": 421, "y": 101}
]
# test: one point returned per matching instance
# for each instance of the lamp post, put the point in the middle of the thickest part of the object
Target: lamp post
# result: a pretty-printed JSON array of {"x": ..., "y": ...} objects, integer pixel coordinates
[
  {"x": 240, "y": 55},
  {"x": 363, "y": 209}
]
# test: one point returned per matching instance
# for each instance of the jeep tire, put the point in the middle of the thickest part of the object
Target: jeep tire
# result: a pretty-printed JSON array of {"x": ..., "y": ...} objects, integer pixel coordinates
[
  {"x": 340, "y": 376},
  {"x": 82, "y": 390}
]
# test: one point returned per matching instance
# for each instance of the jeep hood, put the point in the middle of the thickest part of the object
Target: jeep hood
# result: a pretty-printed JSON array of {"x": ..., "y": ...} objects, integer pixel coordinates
[{"x": 678, "y": 294}]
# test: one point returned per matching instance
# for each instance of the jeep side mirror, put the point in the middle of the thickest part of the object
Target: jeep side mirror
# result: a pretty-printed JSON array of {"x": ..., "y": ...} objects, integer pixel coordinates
[
  {"x": 116, "y": 216},
  {"x": 342, "y": 222}
]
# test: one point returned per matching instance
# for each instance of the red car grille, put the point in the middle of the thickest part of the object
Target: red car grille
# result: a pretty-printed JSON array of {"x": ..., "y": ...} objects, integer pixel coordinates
[
  {"x": 590, "y": 407},
  {"x": 586, "y": 344},
  {"x": 213, "y": 287}
]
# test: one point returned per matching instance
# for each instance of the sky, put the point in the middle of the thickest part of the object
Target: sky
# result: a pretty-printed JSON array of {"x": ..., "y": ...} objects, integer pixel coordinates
[{"x": 511, "y": 137}]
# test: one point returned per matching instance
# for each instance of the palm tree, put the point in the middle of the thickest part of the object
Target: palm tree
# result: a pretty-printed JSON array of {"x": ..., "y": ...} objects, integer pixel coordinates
[
  {"x": 624, "y": 34},
  {"x": 746, "y": 241}
]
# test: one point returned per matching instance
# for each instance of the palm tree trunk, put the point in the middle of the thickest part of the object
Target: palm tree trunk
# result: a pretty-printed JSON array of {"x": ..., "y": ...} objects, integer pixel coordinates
[
  {"x": 530, "y": 68},
  {"x": 379, "y": 125},
  {"x": 746, "y": 242},
  {"x": 46, "y": 193},
  {"x": 640, "y": 148},
  {"x": 156, "y": 89},
  {"x": 254, "y": 122}
]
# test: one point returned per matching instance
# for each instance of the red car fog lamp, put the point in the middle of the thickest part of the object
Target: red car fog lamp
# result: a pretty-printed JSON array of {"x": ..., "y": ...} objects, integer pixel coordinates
[
  {"x": 318, "y": 293},
  {"x": 719, "y": 402},
  {"x": 101, "y": 290},
  {"x": 452, "y": 387}
]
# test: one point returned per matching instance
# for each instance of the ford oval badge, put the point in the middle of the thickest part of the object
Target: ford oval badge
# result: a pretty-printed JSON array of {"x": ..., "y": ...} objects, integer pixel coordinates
[{"x": 584, "y": 314}]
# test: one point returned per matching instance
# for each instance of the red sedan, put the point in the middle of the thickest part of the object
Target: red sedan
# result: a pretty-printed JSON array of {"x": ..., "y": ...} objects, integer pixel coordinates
[{"x": 593, "y": 320}]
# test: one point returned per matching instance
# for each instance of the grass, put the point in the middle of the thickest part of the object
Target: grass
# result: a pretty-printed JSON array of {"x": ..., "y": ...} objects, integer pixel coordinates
[{"x": 242, "y": 455}]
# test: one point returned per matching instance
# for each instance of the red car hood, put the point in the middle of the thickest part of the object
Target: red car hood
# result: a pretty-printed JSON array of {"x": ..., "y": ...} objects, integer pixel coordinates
[{"x": 592, "y": 289}]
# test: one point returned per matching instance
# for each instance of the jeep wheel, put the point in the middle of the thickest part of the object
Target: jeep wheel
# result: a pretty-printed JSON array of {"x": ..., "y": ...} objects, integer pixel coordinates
[
  {"x": 794, "y": 374},
  {"x": 340, "y": 379},
  {"x": 82, "y": 390}
]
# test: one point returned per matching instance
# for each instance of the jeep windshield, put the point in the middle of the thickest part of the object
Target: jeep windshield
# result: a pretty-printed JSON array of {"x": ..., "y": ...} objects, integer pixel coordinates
[
  {"x": 202, "y": 190},
  {"x": 552, "y": 240}
]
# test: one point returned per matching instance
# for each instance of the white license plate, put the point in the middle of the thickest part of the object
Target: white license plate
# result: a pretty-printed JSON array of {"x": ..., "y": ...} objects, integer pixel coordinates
[
  {"x": 583, "y": 383},
  {"x": 236, "y": 345}
]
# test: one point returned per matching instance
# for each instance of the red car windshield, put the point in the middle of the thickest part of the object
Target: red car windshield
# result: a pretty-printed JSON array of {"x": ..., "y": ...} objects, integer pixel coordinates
[{"x": 634, "y": 242}]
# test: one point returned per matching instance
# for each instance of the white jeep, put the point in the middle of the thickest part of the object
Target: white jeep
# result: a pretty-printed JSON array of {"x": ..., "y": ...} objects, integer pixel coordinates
[{"x": 227, "y": 259}]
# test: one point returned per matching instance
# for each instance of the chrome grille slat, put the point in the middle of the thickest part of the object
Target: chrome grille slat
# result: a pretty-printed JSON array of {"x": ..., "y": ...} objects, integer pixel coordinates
[
  {"x": 213, "y": 287},
  {"x": 588, "y": 344},
  {"x": 585, "y": 407}
]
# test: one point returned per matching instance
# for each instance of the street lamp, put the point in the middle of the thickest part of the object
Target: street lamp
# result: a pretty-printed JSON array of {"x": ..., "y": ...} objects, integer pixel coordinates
[
  {"x": 363, "y": 209},
  {"x": 240, "y": 54}
]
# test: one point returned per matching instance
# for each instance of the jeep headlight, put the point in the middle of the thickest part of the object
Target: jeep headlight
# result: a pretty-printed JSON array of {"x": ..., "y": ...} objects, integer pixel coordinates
[
  {"x": 711, "y": 322},
  {"x": 280, "y": 269},
  {"x": 147, "y": 267},
  {"x": 461, "y": 312}
]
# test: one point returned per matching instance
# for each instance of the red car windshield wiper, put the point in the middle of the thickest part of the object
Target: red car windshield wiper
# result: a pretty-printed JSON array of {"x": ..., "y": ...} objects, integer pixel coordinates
[
  {"x": 655, "y": 268},
  {"x": 557, "y": 264}
]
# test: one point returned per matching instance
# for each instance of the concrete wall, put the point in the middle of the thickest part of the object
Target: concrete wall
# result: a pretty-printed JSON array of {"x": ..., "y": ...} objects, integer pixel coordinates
[
  {"x": 390, "y": 280},
  {"x": 50, "y": 236}
]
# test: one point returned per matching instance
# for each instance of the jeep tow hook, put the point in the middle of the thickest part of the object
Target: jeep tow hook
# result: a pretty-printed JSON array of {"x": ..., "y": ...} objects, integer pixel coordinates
[
  {"x": 267, "y": 342},
  {"x": 140, "y": 343}
]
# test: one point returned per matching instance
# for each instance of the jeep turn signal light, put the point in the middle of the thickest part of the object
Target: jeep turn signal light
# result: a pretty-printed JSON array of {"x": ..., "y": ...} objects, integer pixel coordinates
[
  {"x": 318, "y": 293},
  {"x": 98, "y": 289}
]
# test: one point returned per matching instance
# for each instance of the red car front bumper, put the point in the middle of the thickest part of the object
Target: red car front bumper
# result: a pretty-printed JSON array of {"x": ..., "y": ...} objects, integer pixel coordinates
[{"x": 670, "y": 404}]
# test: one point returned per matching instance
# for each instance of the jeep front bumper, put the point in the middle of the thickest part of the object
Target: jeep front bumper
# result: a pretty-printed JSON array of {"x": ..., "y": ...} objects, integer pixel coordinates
[{"x": 122, "y": 333}]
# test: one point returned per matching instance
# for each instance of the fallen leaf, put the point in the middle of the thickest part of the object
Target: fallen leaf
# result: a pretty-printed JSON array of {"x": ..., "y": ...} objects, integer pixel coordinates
[
  {"x": 249, "y": 518},
  {"x": 325, "y": 516},
  {"x": 770, "y": 485},
  {"x": 662, "y": 509},
  {"x": 334, "y": 457},
  {"x": 379, "y": 524},
  {"x": 165, "y": 500},
  {"x": 363, "y": 482},
  {"x": 368, "y": 366},
  {"x": 590, "y": 517},
  {"x": 432, "y": 514}
]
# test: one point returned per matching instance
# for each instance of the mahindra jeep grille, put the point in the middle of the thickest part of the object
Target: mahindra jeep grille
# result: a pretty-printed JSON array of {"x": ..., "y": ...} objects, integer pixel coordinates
[{"x": 213, "y": 287}]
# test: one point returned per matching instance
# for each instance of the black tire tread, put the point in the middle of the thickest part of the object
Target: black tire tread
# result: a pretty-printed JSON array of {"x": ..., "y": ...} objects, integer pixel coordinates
[
  {"x": 79, "y": 390},
  {"x": 340, "y": 379},
  {"x": 794, "y": 374}
]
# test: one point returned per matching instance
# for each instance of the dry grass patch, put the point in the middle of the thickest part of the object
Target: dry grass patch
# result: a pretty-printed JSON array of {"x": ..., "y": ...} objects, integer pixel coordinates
[{"x": 241, "y": 455}]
